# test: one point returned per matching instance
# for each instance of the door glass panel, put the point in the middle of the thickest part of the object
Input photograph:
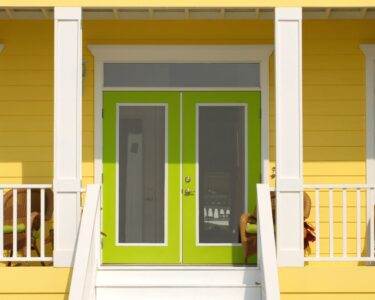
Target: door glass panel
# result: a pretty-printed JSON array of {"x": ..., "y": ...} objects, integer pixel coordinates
[
  {"x": 221, "y": 172},
  {"x": 141, "y": 174}
]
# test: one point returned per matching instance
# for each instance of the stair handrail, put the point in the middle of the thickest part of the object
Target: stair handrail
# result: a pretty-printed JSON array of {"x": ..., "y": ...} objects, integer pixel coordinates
[
  {"x": 86, "y": 252},
  {"x": 267, "y": 245}
]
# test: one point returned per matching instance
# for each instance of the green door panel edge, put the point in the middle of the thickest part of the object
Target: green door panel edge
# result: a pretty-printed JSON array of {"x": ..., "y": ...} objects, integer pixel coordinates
[
  {"x": 160, "y": 254},
  {"x": 202, "y": 254}
]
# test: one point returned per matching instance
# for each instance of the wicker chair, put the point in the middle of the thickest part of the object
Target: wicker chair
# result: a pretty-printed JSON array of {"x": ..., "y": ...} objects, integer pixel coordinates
[
  {"x": 249, "y": 241},
  {"x": 22, "y": 219}
]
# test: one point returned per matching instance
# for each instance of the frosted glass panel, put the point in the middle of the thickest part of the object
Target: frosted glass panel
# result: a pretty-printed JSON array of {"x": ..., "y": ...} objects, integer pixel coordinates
[
  {"x": 141, "y": 159},
  {"x": 181, "y": 75},
  {"x": 221, "y": 173}
]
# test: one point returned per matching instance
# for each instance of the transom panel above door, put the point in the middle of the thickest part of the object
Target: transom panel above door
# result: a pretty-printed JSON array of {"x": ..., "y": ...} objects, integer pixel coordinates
[{"x": 175, "y": 196}]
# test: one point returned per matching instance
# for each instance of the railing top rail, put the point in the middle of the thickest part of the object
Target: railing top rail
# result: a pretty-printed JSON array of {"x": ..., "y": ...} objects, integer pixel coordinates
[
  {"x": 25, "y": 186},
  {"x": 339, "y": 186}
]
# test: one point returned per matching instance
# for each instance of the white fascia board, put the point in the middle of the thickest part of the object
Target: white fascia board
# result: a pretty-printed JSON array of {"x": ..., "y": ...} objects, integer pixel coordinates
[{"x": 180, "y": 53}]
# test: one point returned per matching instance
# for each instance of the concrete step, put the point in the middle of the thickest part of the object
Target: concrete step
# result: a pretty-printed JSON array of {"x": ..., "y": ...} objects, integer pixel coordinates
[{"x": 178, "y": 282}]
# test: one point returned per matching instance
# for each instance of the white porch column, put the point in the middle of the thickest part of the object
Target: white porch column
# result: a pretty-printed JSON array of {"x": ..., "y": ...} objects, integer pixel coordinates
[
  {"x": 67, "y": 131},
  {"x": 289, "y": 178}
]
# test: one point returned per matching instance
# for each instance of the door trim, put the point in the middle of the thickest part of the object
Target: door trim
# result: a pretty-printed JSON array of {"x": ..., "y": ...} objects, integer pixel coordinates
[{"x": 178, "y": 54}]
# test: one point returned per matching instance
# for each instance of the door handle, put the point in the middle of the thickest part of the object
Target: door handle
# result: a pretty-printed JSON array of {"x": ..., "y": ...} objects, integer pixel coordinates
[{"x": 189, "y": 192}]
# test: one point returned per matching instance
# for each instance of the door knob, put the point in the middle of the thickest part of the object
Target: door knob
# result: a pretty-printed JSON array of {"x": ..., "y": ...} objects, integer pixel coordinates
[{"x": 187, "y": 179}]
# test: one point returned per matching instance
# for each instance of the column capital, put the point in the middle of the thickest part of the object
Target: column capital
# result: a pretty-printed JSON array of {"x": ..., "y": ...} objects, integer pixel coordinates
[
  {"x": 68, "y": 13},
  {"x": 288, "y": 13}
]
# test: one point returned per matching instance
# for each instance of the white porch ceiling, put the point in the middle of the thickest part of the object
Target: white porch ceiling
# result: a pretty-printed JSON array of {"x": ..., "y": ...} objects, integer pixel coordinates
[{"x": 186, "y": 13}]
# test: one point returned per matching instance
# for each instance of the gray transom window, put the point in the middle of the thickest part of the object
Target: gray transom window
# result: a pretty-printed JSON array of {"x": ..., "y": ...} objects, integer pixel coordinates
[{"x": 169, "y": 75}]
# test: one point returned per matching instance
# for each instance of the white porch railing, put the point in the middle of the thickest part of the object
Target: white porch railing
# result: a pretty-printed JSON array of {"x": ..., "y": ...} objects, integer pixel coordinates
[
  {"x": 24, "y": 211},
  {"x": 86, "y": 253},
  {"x": 343, "y": 216},
  {"x": 266, "y": 237}
]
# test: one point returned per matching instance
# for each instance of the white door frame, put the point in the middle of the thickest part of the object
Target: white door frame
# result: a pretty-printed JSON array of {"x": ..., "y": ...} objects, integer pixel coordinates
[{"x": 180, "y": 54}]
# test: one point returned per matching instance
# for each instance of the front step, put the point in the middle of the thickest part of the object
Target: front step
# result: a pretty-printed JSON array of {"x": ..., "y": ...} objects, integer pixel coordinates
[{"x": 178, "y": 282}]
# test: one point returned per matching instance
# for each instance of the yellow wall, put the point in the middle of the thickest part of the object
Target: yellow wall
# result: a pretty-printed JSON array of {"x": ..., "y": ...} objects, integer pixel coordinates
[
  {"x": 26, "y": 105},
  {"x": 34, "y": 283},
  {"x": 330, "y": 282}
]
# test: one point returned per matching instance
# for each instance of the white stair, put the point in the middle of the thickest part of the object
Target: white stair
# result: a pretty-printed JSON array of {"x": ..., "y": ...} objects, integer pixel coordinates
[{"x": 178, "y": 282}]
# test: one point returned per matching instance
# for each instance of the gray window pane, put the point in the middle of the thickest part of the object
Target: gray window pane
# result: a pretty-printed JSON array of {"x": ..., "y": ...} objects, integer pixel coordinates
[
  {"x": 221, "y": 173},
  {"x": 141, "y": 174},
  {"x": 181, "y": 75}
]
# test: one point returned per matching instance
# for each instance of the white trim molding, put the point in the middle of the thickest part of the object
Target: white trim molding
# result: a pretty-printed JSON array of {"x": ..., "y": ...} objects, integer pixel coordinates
[
  {"x": 289, "y": 171},
  {"x": 369, "y": 51},
  {"x": 67, "y": 131},
  {"x": 182, "y": 54}
]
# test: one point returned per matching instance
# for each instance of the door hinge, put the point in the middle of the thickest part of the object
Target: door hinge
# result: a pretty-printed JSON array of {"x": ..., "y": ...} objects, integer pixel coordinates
[
  {"x": 260, "y": 113},
  {"x": 102, "y": 178},
  {"x": 102, "y": 113}
]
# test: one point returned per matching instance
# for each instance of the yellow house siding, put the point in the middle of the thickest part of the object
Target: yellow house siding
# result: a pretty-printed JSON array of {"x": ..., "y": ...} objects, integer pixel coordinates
[
  {"x": 327, "y": 283},
  {"x": 26, "y": 105},
  {"x": 31, "y": 283}
]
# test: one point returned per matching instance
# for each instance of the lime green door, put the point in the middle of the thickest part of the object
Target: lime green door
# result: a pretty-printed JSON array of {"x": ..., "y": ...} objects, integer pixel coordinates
[
  {"x": 141, "y": 177},
  {"x": 221, "y": 167},
  {"x": 168, "y": 205}
]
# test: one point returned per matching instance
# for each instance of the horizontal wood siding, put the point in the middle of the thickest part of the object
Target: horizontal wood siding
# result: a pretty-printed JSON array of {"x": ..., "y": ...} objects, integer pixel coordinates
[
  {"x": 32, "y": 283},
  {"x": 26, "y": 105}
]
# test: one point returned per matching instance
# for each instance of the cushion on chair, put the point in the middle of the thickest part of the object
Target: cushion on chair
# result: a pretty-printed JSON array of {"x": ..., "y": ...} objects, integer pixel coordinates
[
  {"x": 9, "y": 228},
  {"x": 251, "y": 228}
]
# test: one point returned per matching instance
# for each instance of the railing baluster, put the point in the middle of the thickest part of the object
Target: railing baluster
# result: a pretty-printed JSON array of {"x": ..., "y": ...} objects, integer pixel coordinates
[
  {"x": 344, "y": 224},
  {"x": 358, "y": 222},
  {"x": 346, "y": 194},
  {"x": 42, "y": 217},
  {"x": 331, "y": 241},
  {"x": 1, "y": 223},
  {"x": 25, "y": 200},
  {"x": 28, "y": 223},
  {"x": 317, "y": 221},
  {"x": 15, "y": 202}
]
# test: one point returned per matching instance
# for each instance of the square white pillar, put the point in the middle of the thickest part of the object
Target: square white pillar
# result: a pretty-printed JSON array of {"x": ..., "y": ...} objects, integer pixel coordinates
[
  {"x": 67, "y": 131},
  {"x": 289, "y": 169}
]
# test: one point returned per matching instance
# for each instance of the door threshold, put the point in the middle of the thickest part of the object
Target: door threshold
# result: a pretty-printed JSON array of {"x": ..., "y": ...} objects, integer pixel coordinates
[{"x": 178, "y": 267}]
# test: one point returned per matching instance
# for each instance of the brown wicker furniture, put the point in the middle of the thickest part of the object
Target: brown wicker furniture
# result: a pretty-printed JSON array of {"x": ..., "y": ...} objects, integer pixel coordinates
[
  {"x": 22, "y": 218},
  {"x": 249, "y": 241}
]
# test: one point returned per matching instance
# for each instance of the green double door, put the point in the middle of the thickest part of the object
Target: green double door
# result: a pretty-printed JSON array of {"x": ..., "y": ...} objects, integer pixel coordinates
[{"x": 178, "y": 170}]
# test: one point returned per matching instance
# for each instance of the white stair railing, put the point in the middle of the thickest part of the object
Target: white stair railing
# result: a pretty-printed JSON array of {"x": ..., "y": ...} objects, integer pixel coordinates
[
  {"x": 266, "y": 238},
  {"x": 86, "y": 253}
]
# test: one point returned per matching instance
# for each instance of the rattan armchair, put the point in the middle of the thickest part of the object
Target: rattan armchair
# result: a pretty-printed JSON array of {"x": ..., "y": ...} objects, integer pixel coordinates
[{"x": 35, "y": 219}]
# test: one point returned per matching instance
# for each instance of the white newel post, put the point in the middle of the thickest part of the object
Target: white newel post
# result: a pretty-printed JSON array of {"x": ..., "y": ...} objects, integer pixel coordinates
[
  {"x": 67, "y": 131},
  {"x": 289, "y": 178}
]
